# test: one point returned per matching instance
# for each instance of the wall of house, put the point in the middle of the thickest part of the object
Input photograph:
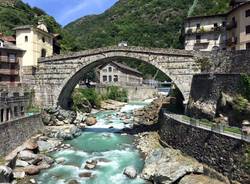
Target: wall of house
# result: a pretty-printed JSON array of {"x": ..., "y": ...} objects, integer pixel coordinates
[
  {"x": 240, "y": 31},
  {"x": 34, "y": 45},
  {"x": 209, "y": 37},
  {"x": 123, "y": 78},
  {"x": 10, "y": 69},
  {"x": 16, "y": 132}
]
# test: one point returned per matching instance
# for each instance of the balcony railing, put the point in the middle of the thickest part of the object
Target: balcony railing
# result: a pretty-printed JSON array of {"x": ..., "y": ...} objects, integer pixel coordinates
[
  {"x": 203, "y": 30},
  {"x": 7, "y": 60},
  {"x": 9, "y": 71}
]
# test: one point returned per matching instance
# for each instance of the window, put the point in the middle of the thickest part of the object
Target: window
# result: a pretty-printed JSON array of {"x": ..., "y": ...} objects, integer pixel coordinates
[
  {"x": 2, "y": 114},
  {"x": 115, "y": 78},
  {"x": 198, "y": 26},
  {"x": 1, "y": 43},
  {"x": 110, "y": 69},
  {"x": 104, "y": 70},
  {"x": 248, "y": 13},
  {"x": 248, "y": 46},
  {"x": 1, "y": 79},
  {"x": 248, "y": 29},
  {"x": 110, "y": 78},
  {"x": 12, "y": 78},
  {"x": 43, "y": 53},
  {"x": 215, "y": 25},
  {"x": 26, "y": 38},
  {"x": 104, "y": 78},
  {"x": 224, "y": 23},
  {"x": 12, "y": 57},
  {"x": 43, "y": 39},
  {"x": 15, "y": 111}
]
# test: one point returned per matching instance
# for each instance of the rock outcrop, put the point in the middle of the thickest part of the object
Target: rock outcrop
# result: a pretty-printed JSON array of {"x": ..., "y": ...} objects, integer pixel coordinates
[{"x": 149, "y": 115}]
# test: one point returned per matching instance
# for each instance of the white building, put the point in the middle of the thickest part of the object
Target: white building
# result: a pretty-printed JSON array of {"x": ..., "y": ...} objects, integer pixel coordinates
[
  {"x": 205, "y": 33},
  {"x": 36, "y": 41}
]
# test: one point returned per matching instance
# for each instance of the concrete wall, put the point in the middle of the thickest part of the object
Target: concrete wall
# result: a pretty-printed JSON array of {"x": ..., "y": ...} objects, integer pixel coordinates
[
  {"x": 14, "y": 133},
  {"x": 135, "y": 93},
  {"x": 225, "y": 154}
]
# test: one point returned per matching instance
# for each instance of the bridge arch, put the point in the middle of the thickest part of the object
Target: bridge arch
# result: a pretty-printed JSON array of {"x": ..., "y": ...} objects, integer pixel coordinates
[{"x": 57, "y": 76}]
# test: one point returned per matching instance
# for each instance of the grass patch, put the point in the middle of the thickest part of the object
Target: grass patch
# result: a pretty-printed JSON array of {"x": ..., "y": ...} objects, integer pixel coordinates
[{"x": 232, "y": 130}]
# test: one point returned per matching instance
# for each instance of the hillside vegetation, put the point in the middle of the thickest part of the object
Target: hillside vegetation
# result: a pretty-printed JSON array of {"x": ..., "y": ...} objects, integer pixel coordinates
[
  {"x": 16, "y": 13},
  {"x": 150, "y": 23}
]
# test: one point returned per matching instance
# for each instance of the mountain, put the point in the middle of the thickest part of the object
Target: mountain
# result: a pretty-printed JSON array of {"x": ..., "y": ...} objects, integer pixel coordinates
[
  {"x": 150, "y": 23},
  {"x": 14, "y": 13}
]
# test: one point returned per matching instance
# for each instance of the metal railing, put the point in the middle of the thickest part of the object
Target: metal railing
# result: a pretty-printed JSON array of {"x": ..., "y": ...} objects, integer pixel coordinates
[{"x": 222, "y": 129}]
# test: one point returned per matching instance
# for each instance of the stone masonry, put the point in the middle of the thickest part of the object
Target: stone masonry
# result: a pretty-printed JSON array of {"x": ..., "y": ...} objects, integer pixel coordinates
[{"x": 57, "y": 76}]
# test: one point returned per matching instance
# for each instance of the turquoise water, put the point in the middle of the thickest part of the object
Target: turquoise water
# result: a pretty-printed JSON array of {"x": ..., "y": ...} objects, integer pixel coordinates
[{"x": 113, "y": 151}]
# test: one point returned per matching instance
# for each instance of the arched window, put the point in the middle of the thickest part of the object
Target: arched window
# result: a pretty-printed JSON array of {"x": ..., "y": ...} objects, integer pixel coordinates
[
  {"x": 43, "y": 39},
  {"x": 26, "y": 38},
  {"x": 43, "y": 53}
]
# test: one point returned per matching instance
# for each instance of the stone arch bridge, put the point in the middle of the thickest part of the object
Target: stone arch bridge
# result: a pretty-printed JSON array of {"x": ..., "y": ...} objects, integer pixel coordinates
[{"x": 57, "y": 76}]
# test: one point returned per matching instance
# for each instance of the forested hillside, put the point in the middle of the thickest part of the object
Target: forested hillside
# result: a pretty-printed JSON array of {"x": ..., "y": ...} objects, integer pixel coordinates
[
  {"x": 14, "y": 13},
  {"x": 150, "y": 23}
]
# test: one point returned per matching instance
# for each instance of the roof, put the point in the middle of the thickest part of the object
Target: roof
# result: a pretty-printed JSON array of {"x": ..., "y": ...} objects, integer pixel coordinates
[
  {"x": 23, "y": 27},
  {"x": 206, "y": 16},
  {"x": 233, "y": 2},
  {"x": 10, "y": 46},
  {"x": 8, "y": 38},
  {"x": 124, "y": 67},
  {"x": 239, "y": 6},
  {"x": 30, "y": 27}
]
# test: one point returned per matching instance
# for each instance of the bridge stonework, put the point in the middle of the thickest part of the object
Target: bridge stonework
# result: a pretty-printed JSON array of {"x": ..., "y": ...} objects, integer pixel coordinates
[{"x": 57, "y": 76}]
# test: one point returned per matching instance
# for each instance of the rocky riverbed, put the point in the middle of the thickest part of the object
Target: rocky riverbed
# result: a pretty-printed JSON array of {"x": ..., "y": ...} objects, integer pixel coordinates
[{"x": 96, "y": 148}]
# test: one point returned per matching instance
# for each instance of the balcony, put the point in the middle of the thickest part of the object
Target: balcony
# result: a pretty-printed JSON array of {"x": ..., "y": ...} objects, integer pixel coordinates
[
  {"x": 203, "y": 30},
  {"x": 9, "y": 72},
  {"x": 7, "y": 60}
]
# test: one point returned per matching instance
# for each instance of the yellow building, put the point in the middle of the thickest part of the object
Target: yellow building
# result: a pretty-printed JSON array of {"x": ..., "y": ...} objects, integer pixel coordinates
[
  {"x": 36, "y": 41},
  {"x": 238, "y": 27}
]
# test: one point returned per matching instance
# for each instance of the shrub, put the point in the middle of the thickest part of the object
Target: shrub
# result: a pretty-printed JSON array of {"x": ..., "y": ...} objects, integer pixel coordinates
[
  {"x": 85, "y": 96},
  {"x": 117, "y": 93},
  {"x": 245, "y": 86}
]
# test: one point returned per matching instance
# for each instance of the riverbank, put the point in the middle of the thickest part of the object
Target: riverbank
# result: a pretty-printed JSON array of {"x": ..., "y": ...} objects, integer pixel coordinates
[{"x": 107, "y": 146}]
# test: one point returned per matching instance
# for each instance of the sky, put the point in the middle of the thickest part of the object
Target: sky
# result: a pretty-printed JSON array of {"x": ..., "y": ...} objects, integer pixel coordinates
[{"x": 66, "y": 11}]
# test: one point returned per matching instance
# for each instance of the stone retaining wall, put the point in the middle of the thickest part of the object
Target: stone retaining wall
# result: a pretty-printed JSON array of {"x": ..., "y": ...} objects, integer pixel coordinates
[
  {"x": 16, "y": 132},
  {"x": 227, "y": 155}
]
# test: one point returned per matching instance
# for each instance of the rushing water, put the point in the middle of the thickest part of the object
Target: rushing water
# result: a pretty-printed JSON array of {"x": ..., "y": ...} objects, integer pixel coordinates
[{"x": 114, "y": 152}]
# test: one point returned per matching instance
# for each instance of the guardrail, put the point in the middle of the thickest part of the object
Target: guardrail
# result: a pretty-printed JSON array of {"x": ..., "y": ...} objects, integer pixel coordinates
[{"x": 222, "y": 129}]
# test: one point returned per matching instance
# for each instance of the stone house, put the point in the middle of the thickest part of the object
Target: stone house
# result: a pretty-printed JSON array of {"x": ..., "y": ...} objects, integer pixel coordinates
[
  {"x": 229, "y": 31},
  {"x": 10, "y": 63},
  {"x": 115, "y": 73}
]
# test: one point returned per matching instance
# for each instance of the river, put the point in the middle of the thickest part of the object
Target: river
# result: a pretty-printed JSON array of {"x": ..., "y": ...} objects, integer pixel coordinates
[{"x": 104, "y": 143}]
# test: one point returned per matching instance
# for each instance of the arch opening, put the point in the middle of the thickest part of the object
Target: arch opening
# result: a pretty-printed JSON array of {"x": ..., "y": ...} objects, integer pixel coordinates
[{"x": 64, "y": 99}]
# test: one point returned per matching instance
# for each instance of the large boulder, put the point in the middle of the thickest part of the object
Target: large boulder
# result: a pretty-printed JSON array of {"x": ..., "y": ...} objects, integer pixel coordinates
[
  {"x": 168, "y": 166},
  {"x": 6, "y": 174},
  {"x": 90, "y": 121},
  {"x": 130, "y": 172},
  {"x": 198, "y": 179},
  {"x": 20, "y": 163},
  {"x": 31, "y": 170},
  {"x": 26, "y": 155}
]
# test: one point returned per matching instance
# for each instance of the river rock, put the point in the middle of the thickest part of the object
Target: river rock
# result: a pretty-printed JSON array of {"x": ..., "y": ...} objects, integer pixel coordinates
[
  {"x": 85, "y": 175},
  {"x": 198, "y": 179},
  {"x": 31, "y": 145},
  {"x": 6, "y": 174},
  {"x": 165, "y": 165},
  {"x": 31, "y": 170},
  {"x": 90, "y": 164},
  {"x": 26, "y": 155},
  {"x": 33, "y": 181},
  {"x": 73, "y": 182},
  {"x": 20, "y": 163},
  {"x": 90, "y": 121},
  {"x": 19, "y": 174},
  {"x": 130, "y": 172}
]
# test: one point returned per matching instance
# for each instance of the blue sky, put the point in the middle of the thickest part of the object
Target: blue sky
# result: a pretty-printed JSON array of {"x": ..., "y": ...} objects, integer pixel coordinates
[{"x": 66, "y": 11}]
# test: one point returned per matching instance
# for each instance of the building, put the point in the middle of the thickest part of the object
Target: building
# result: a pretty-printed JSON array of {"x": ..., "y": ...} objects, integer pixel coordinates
[
  {"x": 13, "y": 103},
  {"x": 229, "y": 31},
  {"x": 115, "y": 73},
  {"x": 36, "y": 41},
  {"x": 238, "y": 25},
  {"x": 205, "y": 33},
  {"x": 10, "y": 63}
]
